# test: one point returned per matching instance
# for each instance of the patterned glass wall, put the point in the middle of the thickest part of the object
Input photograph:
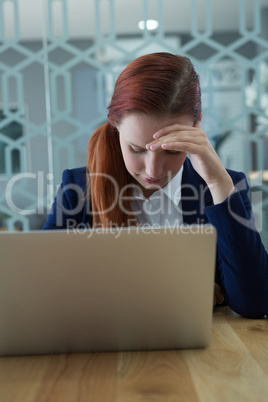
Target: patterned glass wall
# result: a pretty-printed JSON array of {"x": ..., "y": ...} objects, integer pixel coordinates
[{"x": 58, "y": 63}]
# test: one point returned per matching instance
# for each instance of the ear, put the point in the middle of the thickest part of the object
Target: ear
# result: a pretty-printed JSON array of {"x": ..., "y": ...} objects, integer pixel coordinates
[{"x": 197, "y": 124}]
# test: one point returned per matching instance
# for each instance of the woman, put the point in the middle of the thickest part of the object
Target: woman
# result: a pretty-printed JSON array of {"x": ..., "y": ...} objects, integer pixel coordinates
[{"x": 138, "y": 173}]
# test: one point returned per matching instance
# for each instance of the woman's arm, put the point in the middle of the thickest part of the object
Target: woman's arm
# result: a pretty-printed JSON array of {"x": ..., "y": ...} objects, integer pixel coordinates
[{"x": 242, "y": 259}]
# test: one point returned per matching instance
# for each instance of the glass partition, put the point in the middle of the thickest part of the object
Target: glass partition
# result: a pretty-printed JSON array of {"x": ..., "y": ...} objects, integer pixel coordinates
[{"x": 59, "y": 60}]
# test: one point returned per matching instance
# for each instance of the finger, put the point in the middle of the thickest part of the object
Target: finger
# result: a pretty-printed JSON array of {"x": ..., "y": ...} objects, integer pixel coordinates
[
  {"x": 174, "y": 127},
  {"x": 189, "y": 148},
  {"x": 178, "y": 138}
]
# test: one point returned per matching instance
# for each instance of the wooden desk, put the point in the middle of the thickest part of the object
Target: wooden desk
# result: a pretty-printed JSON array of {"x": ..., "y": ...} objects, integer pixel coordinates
[{"x": 233, "y": 368}]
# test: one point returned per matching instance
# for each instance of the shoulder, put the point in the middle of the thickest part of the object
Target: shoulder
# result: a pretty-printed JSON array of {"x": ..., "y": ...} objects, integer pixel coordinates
[
  {"x": 70, "y": 200},
  {"x": 235, "y": 175},
  {"x": 74, "y": 176},
  {"x": 190, "y": 175},
  {"x": 239, "y": 180}
]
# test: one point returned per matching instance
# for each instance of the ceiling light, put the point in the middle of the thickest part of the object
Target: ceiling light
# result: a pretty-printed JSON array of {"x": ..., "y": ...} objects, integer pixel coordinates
[{"x": 150, "y": 25}]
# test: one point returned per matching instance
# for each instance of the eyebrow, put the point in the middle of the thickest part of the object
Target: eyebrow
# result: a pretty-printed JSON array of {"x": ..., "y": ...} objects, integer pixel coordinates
[{"x": 135, "y": 145}]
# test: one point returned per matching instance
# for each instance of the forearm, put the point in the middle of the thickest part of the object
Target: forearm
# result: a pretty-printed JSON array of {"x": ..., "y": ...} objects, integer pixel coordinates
[{"x": 242, "y": 256}]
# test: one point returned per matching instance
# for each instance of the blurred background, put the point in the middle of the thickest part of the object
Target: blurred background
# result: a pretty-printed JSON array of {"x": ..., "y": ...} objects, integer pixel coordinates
[{"x": 59, "y": 60}]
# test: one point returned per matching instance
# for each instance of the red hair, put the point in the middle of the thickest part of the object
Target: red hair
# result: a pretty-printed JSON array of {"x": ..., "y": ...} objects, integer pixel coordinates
[{"x": 159, "y": 84}]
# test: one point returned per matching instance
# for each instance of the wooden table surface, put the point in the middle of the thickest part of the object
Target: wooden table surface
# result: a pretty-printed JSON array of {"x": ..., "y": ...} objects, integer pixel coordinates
[{"x": 233, "y": 368}]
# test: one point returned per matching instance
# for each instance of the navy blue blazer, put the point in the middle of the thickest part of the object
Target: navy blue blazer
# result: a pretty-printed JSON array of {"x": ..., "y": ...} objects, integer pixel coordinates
[{"x": 242, "y": 261}]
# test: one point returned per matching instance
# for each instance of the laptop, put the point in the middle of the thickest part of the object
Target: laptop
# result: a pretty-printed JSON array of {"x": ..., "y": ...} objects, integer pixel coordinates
[{"x": 106, "y": 290}]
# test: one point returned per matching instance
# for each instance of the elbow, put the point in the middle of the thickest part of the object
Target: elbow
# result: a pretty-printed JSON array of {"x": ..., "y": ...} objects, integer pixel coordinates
[
  {"x": 248, "y": 297},
  {"x": 254, "y": 310},
  {"x": 258, "y": 314}
]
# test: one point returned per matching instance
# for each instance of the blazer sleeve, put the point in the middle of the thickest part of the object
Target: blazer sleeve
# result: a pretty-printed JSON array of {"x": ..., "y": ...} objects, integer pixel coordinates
[
  {"x": 68, "y": 206},
  {"x": 242, "y": 258}
]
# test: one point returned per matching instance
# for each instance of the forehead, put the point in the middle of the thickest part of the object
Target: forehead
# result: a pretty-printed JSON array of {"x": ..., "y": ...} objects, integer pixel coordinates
[{"x": 139, "y": 128}]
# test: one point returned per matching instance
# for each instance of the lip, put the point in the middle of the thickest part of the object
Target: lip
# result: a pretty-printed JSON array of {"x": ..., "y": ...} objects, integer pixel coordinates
[{"x": 150, "y": 181}]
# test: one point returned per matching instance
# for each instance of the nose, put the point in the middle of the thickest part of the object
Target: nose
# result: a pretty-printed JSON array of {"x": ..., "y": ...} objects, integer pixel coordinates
[{"x": 153, "y": 165}]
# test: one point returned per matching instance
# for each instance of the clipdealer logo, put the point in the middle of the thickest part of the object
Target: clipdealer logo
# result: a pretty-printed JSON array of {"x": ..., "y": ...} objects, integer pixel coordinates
[
  {"x": 45, "y": 187},
  {"x": 18, "y": 181},
  {"x": 145, "y": 229}
]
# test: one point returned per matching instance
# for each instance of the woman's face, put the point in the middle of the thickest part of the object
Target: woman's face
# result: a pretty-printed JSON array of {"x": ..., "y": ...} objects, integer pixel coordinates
[{"x": 151, "y": 169}]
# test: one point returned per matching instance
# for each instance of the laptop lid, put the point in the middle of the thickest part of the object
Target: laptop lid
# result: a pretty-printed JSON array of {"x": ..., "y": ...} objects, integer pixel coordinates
[{"x": 100, "y": 290}]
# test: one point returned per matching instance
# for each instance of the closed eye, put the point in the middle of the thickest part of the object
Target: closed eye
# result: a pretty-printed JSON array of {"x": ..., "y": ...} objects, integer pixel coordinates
[{"x": 138, "y": 151}]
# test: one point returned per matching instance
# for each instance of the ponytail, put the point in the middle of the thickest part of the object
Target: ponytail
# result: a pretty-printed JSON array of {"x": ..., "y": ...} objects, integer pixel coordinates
[{"x": 107, "y": 177}]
